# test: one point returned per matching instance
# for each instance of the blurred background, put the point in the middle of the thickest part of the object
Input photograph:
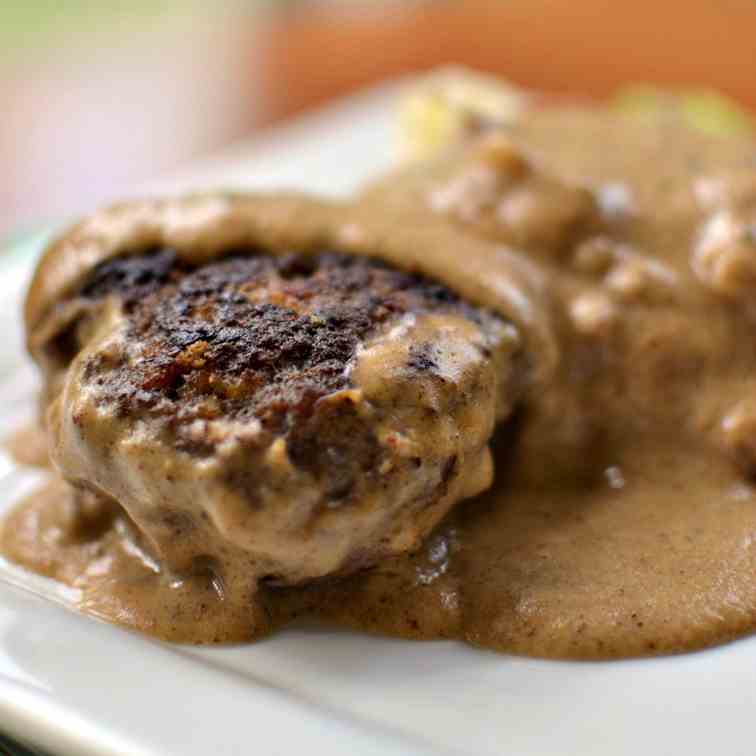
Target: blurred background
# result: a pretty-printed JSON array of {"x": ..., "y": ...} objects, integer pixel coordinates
[{"x": 96, "y": 97}]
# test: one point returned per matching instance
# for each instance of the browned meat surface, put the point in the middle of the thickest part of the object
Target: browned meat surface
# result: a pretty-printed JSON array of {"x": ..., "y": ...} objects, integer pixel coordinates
[{"x": 314, "y": 413}]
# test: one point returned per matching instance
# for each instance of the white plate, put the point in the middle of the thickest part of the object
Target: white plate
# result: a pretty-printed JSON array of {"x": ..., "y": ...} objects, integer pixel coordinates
[{"x": 77, "y": 686}]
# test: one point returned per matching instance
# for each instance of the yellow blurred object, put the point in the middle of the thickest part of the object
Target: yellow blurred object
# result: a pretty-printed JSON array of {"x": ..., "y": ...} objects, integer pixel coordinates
[
  {"x": 706, "y": 110},
  {"x": 452, "y": 102}
]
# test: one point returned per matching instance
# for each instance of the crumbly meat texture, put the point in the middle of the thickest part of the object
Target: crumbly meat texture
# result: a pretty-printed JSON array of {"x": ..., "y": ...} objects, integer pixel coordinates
[
  {"x": 250, "y": 367},
  {"x": 256, "y": 337}
]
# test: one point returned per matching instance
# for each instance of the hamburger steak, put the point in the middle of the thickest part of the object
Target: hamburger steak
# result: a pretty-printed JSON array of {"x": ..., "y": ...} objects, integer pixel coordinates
[{"x": 313, "y": 413}]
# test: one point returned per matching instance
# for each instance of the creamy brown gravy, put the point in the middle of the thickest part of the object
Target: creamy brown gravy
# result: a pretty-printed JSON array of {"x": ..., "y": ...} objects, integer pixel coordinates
[
  {"x": 28, "y": 446},
  {"x": 621, "y": 521}
]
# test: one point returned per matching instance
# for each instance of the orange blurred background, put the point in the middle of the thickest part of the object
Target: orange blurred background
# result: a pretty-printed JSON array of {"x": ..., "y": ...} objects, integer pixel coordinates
[
  {"x": 90, "y": 109},
  {"x": 583, "y": 46}
]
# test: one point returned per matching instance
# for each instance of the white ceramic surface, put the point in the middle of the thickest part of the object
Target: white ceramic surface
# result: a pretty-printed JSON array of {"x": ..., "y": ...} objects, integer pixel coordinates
[{"x": 77, "y": 686}]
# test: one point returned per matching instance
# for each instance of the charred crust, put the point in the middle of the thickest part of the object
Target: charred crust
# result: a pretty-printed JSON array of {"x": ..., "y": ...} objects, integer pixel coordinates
[
  {"x": 132, "y": 278},
  {"x": 262, "y": 336},
  {"x": 256, "y": 338}
]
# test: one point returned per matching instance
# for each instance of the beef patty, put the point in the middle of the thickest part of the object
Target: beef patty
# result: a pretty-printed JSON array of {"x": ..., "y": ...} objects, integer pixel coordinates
[{"x": 312, "y": 412}]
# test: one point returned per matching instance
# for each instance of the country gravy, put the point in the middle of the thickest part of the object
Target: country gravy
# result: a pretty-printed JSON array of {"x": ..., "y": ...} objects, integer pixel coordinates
[{"x": 622, "y": 519}]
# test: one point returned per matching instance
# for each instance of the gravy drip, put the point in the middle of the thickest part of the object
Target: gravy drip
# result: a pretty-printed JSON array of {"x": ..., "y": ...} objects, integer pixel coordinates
[{"x": 622, "y": 520}]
